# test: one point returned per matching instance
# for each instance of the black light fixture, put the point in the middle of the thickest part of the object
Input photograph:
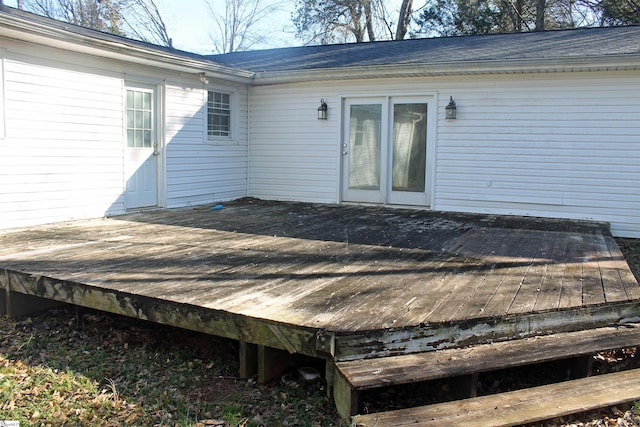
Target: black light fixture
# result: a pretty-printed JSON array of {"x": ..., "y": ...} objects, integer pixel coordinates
[
  {"x": 451, "y": 109},
  {"x": 322, "y": 110}
]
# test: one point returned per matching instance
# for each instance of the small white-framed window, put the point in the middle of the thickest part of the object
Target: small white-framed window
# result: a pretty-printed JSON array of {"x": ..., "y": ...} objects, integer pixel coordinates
[{"x": 219, "y": 114}]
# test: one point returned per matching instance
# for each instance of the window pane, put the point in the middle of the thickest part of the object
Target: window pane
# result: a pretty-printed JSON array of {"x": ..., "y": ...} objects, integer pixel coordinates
[
  {"x": 364, "y": 143},
  {"x": 139, "y": 123},
  {"x": 218, "y": 114},
  {"x": 146, "y": 101},
  {"x": 137, "y": 101},
  {"x": 138, "y": 138},
  {"x": 147, "y": 138},
  {"x": 409, "y": 147}
]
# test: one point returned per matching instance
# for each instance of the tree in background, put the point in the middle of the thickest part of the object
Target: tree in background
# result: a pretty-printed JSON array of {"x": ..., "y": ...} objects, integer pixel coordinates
[
  {"x": 466, "y": 17},
  {"x": 142, "y": 20},
  {"x": 340, "y": 21},
  {"x": 620, "y": 12},
  {"x": 236, "y": 23},
  {"x": 138, "y": 19}
]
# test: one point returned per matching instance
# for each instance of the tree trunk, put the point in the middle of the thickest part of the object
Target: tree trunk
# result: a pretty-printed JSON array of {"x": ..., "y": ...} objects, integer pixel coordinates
[
  {"x": 369, "y": 20},
  {"x": 518, "y": 21},
  {"x": 540, "y": 10},
  {"x": 404, "y": 18}
]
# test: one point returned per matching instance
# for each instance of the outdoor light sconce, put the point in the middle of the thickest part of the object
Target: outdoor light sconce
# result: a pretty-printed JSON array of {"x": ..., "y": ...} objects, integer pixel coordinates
[
  {"x": 203, "y": 78},
  {"x": 451, "y": 109},
  {"x": 322, "y": 110}
]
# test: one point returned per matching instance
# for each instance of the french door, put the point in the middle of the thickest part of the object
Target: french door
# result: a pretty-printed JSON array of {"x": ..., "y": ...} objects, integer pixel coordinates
[{"x": 385, "y": 150}]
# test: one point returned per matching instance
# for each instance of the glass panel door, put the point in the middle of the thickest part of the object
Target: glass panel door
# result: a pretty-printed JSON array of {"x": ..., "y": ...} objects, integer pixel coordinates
[
  {"x": 409, "y": 154},
  {"x": 141, "y": 155},
  {"x": 363, "y": 154},
  {"x": 385, "y": 150}
]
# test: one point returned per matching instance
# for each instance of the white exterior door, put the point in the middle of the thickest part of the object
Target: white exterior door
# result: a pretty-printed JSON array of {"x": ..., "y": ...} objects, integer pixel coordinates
[
  {"x": 385, "y": 151},
  {"x": 142, "y": 159}
]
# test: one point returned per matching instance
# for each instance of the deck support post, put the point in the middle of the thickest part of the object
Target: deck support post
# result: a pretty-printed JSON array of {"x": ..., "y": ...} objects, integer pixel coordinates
[
  {"x": 272, "y": 363},
  {"x": 4, "y": 310},
  {"x": 248, "y": 360},
  {"x": 344, "y": 396},
  {"x": 465, "y": 386},
  {"x": 4, "y": 290},
  {"x": 579, "y": 367},
  {"x": 18, "y": 305},
  {"x": 266, "y": 362}
]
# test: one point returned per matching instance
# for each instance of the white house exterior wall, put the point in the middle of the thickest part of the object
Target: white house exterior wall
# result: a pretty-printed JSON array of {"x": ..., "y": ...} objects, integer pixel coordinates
[
  {"x": 292, "y": 154},
  {"x": 61, "y": 155},
  {"x": 551, "y": 145},
  {"x": 200, "y": 171}
]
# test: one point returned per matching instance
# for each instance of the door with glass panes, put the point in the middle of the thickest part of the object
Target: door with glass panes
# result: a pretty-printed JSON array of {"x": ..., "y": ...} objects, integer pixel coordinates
[
  {"x": 141, "y": 150},
  {"x": 385, "y": 150}
]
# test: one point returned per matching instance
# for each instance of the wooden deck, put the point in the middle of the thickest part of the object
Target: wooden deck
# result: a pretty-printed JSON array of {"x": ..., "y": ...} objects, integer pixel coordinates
[{"x": 338, "y": 282}]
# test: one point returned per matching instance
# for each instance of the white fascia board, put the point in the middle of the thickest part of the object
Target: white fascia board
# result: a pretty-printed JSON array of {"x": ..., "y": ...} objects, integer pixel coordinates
[
  {"x": 608, "y": 63},
  {"x": 120, "y": 50}
]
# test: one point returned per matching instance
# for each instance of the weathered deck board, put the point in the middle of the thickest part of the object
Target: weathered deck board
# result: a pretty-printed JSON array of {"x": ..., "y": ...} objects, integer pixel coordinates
[
  {"x": 517, "y": 407},
  {"x": 371, "y": 373},
  {"x": 359, "y": 273}
]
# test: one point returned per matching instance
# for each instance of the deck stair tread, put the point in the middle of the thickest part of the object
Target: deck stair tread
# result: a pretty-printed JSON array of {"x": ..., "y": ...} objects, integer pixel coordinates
[
  {"x": 363, "y": 374},
  {"x": 517, "y": 407}
]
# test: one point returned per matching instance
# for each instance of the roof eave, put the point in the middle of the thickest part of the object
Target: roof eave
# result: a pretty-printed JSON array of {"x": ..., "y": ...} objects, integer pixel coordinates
[
  {"x": 604, "y": 63},
  {"x": 120, "y": 50}
]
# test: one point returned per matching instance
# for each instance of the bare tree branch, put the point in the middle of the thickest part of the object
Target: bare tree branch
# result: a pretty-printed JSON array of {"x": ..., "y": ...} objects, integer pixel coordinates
[
  {"x": 237, "y": 28},
  {"x": 139, "y": 19}
]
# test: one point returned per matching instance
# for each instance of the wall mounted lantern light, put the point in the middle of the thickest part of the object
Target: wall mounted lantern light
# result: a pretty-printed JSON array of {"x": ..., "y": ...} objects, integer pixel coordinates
[
  {"x": 322, "y": 110},
  {"x": 451, "y": 109},
  {"x": 203, "y": 78}
]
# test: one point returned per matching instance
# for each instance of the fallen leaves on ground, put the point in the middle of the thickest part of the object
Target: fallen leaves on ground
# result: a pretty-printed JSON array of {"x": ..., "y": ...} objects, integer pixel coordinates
[{"x": 73, "y": 366}]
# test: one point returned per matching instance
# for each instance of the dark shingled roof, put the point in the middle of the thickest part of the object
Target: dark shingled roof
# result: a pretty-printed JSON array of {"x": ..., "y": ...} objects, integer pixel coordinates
[{"x": 547, "y": 45}]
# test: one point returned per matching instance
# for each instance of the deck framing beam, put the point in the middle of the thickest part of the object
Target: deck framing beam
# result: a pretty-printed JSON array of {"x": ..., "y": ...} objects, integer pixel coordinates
[
  {"x": 290, "y": 338},
  {"x": 430, "y": 337}
]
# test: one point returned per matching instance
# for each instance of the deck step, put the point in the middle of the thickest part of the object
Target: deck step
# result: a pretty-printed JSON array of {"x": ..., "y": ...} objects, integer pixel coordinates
[
  {"x": 517, "y": 407},
  {"x": 351, "y": 377}
]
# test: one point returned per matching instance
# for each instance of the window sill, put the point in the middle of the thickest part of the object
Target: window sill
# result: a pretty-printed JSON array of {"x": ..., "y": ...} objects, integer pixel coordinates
[{"x": 222, "y": 141}]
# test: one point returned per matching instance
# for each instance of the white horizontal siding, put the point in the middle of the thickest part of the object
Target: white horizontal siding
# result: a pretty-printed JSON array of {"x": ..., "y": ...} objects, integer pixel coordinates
[
  {"x": 293, "y": 155},
  {"x": 200, "y": 171},
  {"x": 563, "y": 146},
  {"x": 551, "y": 145},
  {"x": 63, "y": 154}
]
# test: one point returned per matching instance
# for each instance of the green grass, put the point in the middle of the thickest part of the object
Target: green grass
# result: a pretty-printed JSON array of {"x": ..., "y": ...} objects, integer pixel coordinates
[{"x": 79, "y": 367}]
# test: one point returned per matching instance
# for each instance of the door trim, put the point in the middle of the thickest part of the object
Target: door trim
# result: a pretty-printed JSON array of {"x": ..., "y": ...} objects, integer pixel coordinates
[{"x": 158, "y": 88}]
